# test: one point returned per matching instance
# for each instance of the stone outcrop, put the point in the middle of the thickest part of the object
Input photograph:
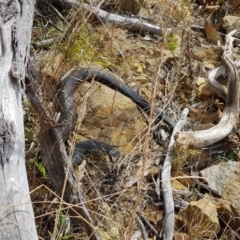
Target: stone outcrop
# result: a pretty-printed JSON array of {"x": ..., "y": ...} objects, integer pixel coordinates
[
  {"x": 230, "y": 23},
  {"x": 225, "y": 178},
  {"x": 110, "y": 118}
]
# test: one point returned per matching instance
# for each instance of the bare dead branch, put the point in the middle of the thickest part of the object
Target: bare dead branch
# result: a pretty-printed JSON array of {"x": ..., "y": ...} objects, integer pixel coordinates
[
  {"x": 200, "y": 139},
  {"x": 168, "y": 226},
  {"x": 142, "y": 228},
  {"x": 129, "y": 23},
  {"x": 44, "y": 43},
  {"x": 145, "y": 220},
  {"x": 55, "y": 157},
  {"x": 213, "y": 83}
]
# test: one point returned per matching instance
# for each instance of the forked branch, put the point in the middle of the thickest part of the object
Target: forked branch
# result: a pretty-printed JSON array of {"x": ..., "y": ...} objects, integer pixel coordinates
[{"x": 200, "y": 139}]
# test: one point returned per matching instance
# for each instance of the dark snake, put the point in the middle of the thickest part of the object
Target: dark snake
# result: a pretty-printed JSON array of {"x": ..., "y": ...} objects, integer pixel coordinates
[{"x": 65, "y": 95}]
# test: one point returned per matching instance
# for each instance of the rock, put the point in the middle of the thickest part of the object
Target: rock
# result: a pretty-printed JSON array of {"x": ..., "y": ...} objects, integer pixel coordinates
[
  {"x": 207, "y": 55},
  {"x": 228, "y": 214},
  {"x": 230, "y": 23},
  {"x": 225, "y": 178},
  {"x": 200, "y": 219},
  {"x": 110, "y": 118},
  {"x": 200, "y": 81}
]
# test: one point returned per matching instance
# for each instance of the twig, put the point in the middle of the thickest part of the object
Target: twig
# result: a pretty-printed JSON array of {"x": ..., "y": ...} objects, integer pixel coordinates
[
  {"x": 149, "y": 224},
  {"x": 141, "y": 226},
  {"x": 57, "y": 12},
  {"x": 168, "y": 226},
  {"x": 44, "y": 43},
  {"x": 205, "y": 186}
]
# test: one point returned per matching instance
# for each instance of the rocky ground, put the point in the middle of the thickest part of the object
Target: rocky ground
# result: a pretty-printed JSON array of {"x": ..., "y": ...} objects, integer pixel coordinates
[{"x": 170, "y": 71}]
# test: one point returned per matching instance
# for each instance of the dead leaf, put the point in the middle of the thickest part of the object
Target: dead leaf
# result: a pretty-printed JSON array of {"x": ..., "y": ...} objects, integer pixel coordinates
[
  {"x": 200, "y": 81},
  {"x": 137, "y": 67},
  {"x": 210, "y": 117},
  {"x": 211, "y": 33},
  {"x": 204, "y": 90},
  {"x": 202, "y": 215},
  {"x": 154, "y": 171},
  {"x": 153, "y": 214}
]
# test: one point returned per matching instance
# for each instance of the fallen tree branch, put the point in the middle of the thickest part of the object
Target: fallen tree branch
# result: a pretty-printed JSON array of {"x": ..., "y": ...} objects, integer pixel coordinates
[
  {"x": 129, "y": 23},
  {"x": 106, "y": 17},
  {"x": 200, "y": 139},
  {"x": 168, "y": 225},
  {"x": 55, "y": 157},
  {"x": 142, "y": 228}
]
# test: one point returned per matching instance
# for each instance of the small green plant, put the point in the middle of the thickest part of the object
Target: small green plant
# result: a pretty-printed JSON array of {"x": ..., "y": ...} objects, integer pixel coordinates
[
  {"x": 87, "y": 47},
  {"x": 84, "y": 47},
  {"x": 40, "y": 167},
  {"x": 228, "y": 156},
  {"x": 62, "y": 228},
  {"x": 31, "y": 135},
  {"x": 171, "y": 41}
]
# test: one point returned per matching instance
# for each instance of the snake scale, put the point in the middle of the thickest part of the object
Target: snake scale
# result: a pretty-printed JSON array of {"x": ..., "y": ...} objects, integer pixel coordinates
[{"x": 65, "y": 92}]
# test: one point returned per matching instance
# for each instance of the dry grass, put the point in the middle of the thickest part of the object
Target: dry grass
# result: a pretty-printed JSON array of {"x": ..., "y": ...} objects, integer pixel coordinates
[{"x": 167, "y": 80}]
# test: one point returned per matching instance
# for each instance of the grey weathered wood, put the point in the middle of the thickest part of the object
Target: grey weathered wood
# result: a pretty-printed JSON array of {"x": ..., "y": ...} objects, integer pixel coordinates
[
  {"x": 16, "y": 218},
  {"x": 230, "y": 116},
  {"x": 168, "y": 222},
  {"x": 56, "y": 159},
  {"x": 118, "y": 20}
]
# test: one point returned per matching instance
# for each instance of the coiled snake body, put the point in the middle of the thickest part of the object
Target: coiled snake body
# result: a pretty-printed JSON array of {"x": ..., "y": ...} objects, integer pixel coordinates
[{"x": 65, "y": 96}]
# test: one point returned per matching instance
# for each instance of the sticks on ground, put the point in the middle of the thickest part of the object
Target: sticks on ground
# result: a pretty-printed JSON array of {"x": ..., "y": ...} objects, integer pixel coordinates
[
  {"x": 129, "y": 23},
  {"x": 168, "y": 226}
]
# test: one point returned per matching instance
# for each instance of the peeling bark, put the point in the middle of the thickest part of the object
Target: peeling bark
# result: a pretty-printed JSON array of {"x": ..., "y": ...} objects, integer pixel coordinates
[
  {"x": 17, "y": 218},
  {"x": 56, "y": 159}
]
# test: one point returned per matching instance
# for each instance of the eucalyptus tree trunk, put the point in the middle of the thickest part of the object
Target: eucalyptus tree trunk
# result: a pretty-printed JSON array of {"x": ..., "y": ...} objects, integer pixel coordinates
[{"x": 16, "y": 218}]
